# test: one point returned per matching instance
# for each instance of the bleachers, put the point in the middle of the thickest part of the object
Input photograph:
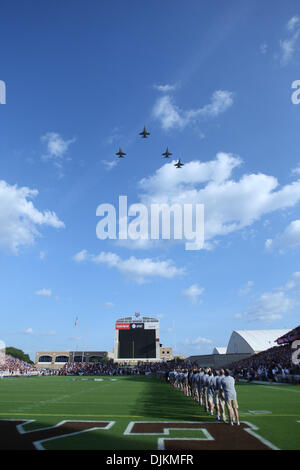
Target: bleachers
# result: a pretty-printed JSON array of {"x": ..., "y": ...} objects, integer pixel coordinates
[{"x": 274, "y": 364}]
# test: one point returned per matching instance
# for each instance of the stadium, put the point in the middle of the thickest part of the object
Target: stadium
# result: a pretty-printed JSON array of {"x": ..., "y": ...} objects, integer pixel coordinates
[
  {"x": 134, "y": 399},
  {"x": 149, "y": 229}
]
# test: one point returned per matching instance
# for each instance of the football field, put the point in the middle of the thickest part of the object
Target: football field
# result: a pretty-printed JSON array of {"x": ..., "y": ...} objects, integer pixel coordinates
[{"x": 139, "y": 413}]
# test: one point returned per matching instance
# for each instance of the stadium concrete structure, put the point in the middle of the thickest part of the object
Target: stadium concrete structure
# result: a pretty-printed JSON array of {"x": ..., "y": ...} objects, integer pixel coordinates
[
  {"x": 135, "y": 340},
  {"x": 242, "y": 344},
  {"x": 138, "y": 340},
  {"x": 55, "y": 360}
]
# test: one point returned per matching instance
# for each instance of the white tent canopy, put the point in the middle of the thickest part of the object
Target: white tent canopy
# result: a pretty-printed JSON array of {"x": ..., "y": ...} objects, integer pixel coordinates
[
  {"x": 219, "y": 350},
  {"x": 252, "y": 341}
]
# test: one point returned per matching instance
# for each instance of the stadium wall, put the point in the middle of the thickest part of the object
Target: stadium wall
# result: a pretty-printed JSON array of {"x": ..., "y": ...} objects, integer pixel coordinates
[{"x": 55, "y": 360}]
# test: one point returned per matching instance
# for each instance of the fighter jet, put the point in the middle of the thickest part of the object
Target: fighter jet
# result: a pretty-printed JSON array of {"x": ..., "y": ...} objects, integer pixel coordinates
[
  {"x": 179, "y": 164},
  {"x": 144, "y": 133},
  {"x": 120, "y": 153},
  {"x": 167, "y": 153}
]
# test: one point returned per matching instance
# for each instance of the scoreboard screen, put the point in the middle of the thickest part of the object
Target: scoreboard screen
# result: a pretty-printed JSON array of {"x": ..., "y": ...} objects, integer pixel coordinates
[{"x": 137, "y": 343}]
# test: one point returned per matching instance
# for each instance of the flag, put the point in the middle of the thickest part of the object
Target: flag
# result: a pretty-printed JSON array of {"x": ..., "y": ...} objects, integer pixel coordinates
[
  {"x": 137, "y": 315},
  {"x": 76, "y": 321}
]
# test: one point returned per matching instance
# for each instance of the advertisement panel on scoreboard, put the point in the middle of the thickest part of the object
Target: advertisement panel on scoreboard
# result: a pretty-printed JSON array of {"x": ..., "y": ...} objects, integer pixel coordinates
[
  {"x": 150, "y": 325},
  {"x": 122, "y": 326},
  {"x": 137, "y": 325}
]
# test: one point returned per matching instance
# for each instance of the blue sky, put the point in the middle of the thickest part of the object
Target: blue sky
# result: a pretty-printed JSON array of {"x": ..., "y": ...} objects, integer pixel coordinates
[{"x": 212, "y": 81}]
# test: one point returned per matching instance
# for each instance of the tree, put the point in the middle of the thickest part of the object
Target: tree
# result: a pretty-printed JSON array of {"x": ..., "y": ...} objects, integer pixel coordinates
[{"x": 18, "y": 354}]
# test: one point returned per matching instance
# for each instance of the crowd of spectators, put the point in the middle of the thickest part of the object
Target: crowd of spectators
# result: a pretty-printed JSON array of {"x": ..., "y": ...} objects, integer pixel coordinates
[
  {"x": 111, "y": 368},
  {"x": 13, "y": 366},
  {"x": 290, "y": 336},
  {"x": 275, "y": 364}
]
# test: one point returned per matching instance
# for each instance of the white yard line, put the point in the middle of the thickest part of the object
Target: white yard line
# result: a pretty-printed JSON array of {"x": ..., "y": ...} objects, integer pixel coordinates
[{"x": 279, "y": 389}]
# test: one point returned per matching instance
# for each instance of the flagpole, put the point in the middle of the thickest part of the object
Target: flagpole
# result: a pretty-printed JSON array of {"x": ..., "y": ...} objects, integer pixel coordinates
[
  {"x": 83, "y": 345},
  {"x": 175, "y": 345},
  {"x": 75, "y": 325}
]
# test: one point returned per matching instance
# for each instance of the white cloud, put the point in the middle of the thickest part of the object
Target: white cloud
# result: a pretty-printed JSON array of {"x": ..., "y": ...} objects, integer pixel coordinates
[
  {"x": 193, "y": 293},
  {"x": 171, "y": 116},
  {"x": 272, "y": 305},
  {"x": 57, "y": 148},
  {"x": 288, "y": 44},
  {"x": 81, "y": 256},
  {"x": 293, "y": 283},
  {"x": 221, "y": 100},
  {"x": 197, "y": 344},
  {"x": 48, "y": 333},
  {"x": 31, "y": 332},
  {"x": 168, "y": 113},
  {"x": 109, "y": 164},
  {"x": 19, "y": 218},
  {"x": 44, "y": 292},
  {"x": 287, "y": 47},
  {"x": 269, "y": 306},
  {"x": 42, "y": 255},
  {"x": 165, "y": 88},
  {"x": 137, "y": 269},
  {"x": 107, "y": 305},
  {"x": 296, "y": 171},
  {"x": 230, "y": 204},
  {"x": 290, "y": 238},
  {"x": 115, "y": 136},
  {"x": 27, "y": 331},
  {"x": 264, "y": 48},
  {"x": 246, "y": 289},
  {"x": 293, "y": 22},
  {"x": 56, "y": 145},
  {"x": 200, "y": 340}
]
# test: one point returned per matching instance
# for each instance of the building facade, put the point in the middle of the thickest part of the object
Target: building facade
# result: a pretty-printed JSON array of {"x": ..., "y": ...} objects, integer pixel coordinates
[{"x": 55, "y": 360}]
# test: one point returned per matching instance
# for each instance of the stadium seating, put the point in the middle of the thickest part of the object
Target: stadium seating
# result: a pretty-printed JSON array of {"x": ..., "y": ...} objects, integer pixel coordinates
[{"x": 274, "y": 364}]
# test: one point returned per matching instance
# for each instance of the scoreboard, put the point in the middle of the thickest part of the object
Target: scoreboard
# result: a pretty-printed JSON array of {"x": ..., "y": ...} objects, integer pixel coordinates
[{"x": 137, "y": 339}]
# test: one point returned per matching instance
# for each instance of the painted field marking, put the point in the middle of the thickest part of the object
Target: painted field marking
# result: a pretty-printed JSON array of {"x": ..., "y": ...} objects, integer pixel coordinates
[
  {"x": 71, "y": 415},
  {"x": 125, "y": 416},
  {"x": 208, "y": 437},
  {"x": 280, "y": 389},
  {"x": 269, "y": 415},
  {"x": 161, "y": 441},
  {"x": 38, "y": 444},
  {"x": 166, "y": 431},
  {"x": 251, "y": 430}
]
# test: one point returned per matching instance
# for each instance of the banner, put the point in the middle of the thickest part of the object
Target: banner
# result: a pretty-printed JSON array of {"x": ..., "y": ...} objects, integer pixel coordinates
[
  {"x": 122, "y": 326},
  {"x": 137, "y": 326},
  {"x": 151, "y": 325}
]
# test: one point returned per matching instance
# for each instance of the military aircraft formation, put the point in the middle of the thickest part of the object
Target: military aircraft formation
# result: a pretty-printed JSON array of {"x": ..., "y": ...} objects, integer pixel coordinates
[{"x": 144, "y": 135}]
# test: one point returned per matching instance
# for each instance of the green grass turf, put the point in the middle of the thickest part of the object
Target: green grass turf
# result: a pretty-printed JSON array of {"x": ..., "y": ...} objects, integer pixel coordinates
[{"x": 49, "y": 400}]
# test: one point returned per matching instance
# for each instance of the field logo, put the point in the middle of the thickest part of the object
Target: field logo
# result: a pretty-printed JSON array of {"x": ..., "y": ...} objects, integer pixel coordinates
[
  {"x": 2, "y": 353},
  {"x": 208, "y": 435},
  {"x": 177, "y": 221},
  {"x": 2, "y": 92},
  {"x": 15, "y": 436},
  {"x": 296, "y": 354}
]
